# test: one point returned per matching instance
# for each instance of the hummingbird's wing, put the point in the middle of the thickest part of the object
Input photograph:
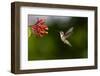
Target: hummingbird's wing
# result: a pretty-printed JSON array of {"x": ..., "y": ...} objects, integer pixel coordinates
[
  {"x": 67, "y": 42},
  {"x": 69, "y": 32}
]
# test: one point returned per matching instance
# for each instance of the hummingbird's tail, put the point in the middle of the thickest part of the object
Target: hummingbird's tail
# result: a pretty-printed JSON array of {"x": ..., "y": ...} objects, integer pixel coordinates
[{"x": 68, "y": 43}]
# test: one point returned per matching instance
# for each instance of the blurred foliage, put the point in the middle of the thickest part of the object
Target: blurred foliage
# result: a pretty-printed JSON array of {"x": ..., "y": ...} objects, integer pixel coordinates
[
  {"x": 51, "y": 46},
  {"x": 29, "y": 31}
]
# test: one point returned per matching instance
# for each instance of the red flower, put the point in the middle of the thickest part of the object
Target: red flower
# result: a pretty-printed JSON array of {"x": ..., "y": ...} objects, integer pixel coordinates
[{"x": 40, "y": 28}]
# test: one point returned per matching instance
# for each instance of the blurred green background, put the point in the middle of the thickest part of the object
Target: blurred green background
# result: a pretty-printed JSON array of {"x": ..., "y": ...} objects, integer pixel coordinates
[{"x": 50, "y": 46}]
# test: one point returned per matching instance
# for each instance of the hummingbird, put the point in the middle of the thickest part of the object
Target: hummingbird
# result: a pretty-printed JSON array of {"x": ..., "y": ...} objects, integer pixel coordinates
[{"x": 65, "y": 35}]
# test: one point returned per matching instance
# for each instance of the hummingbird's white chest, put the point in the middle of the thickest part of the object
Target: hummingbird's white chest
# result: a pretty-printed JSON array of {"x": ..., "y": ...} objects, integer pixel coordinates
[{"x": 62, "y": 37}]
